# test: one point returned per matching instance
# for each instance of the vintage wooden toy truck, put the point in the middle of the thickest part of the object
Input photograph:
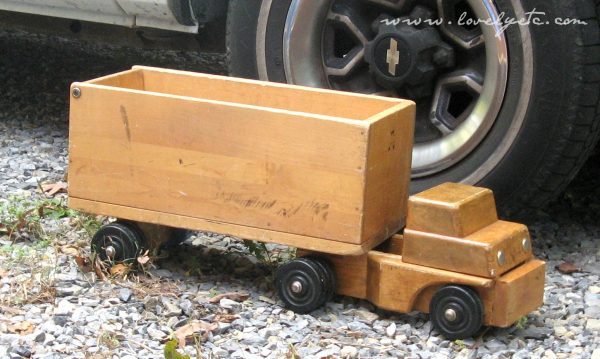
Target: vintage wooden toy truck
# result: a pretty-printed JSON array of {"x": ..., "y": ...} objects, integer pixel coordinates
[{"x": 323, "y": 171}]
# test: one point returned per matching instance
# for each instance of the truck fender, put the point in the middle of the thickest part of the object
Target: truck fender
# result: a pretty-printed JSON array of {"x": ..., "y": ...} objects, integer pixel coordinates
[{"x": 193, "y": 12}]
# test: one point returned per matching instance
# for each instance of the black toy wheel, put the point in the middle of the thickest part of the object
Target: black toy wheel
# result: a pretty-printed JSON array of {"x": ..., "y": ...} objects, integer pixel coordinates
[
  {"x": 118, "y": 242},
  {"x": 303, "y": 285},
  {"x": 456, "y": 312},
  {"x": 329, "y": 282}
]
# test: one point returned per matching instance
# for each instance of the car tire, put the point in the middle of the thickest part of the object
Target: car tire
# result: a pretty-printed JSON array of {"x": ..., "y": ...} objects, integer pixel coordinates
[{"x": 548, "y": 123}]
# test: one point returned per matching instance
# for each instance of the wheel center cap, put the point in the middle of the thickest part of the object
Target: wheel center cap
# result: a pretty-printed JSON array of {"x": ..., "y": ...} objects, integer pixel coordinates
[
  {"x": 404, "y": 56},
  {"x": 392, "y": 57}
]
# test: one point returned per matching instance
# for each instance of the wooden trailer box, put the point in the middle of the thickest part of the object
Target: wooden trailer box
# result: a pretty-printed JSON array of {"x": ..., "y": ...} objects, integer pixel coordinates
[{"x": 315, "y": 169}]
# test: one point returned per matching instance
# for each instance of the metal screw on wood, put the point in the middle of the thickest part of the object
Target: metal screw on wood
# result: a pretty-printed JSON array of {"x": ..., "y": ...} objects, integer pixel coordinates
[
  {"x": 526, "y": 244},
  {"x": 76, "y": 92},
  {"x": 501, "y": 258}
]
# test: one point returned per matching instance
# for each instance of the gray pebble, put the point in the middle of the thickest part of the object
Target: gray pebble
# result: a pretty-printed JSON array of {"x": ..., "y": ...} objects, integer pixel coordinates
[{"x": 125, "y": 294}]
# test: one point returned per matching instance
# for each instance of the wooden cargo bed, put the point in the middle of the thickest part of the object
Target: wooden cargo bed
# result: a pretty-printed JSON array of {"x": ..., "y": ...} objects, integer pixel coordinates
[{"x": 315, "y": 169}]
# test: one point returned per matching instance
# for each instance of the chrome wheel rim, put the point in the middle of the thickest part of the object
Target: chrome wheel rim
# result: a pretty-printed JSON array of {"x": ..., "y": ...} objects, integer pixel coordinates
[{"x": 304, "y": 64}]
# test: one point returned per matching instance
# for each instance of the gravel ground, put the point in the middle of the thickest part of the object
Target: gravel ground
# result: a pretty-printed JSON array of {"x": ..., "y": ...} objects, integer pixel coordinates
[{"x": 50, "y": 307}]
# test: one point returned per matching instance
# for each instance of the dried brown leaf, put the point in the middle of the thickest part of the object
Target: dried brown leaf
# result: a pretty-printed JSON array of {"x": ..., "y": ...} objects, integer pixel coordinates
[
  {"x": 189, "y": 330},
  {"x": 3, "y": 273},
  {"x": 84, "y": 264},
  {"x": 120, "y": 270},
  {"x": 21, "y": 328},
  {"x": 54, "y": 188},
  {"x": 568, "y": 268},
  {"x": 238, "y": 297},
  {"x": 144, "y": 258},
  {"x": 11, "y": 310},
  {"x": 70, "y": 251}
]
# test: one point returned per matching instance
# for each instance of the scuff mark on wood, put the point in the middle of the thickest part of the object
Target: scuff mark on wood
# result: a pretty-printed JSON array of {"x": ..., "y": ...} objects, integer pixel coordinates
[
  {"x": 246, "y": 202},
  {"x": 125, "y": 119}
]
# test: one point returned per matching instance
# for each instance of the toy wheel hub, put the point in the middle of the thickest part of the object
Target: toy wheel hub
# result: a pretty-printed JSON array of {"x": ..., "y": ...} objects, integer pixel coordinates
[
  {"x": 296, "y": 287},
  {"x": 110, "y": 252},
  {"x": 450, "y": 315}
]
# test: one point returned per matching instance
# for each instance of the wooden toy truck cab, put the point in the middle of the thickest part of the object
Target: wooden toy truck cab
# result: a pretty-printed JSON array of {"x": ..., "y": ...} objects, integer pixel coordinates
[
  {"x": 324, "y": 171},
  {"x": 455, "y": 260}
]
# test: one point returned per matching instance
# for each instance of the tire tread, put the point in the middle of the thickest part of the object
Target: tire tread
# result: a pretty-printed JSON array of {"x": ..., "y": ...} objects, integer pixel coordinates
[{"x": 577, "y": 142}]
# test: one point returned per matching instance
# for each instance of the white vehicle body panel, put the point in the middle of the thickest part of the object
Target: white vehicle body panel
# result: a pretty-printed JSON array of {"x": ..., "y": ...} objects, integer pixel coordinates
[{"x": 130, "y": 13}]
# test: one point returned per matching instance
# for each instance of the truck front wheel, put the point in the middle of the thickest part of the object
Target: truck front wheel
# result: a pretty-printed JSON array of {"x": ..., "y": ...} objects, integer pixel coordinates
[{"x": 456, "y": 312}]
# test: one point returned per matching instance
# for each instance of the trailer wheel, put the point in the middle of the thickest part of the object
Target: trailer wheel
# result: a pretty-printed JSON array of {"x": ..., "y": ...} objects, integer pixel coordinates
[
  {"x": 456, "y": 312},
  {"x": 118, "y": 242},
  {"x": 330, "y": 281},
  {"x": 302, "y": 285}
]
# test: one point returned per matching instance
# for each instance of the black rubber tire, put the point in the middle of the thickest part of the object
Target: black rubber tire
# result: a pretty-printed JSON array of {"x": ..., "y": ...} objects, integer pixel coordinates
[
  {"x": 124, "y": 237},
  {"x": 562, "y": 122},
  {"x": 467, "y": 306},
  {"x": 329, "y": 279},
  {"x": 314, "y": 285}
]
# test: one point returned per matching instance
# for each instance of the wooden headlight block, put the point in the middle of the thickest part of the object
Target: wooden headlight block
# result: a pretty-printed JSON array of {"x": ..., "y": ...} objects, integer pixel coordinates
[{"x": 456, "y": 227}]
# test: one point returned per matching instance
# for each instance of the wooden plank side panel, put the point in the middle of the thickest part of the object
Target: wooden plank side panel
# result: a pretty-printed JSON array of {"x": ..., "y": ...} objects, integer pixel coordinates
[
  {"x": 312, "y": 244},
  {"x": 388, "y": 172},
  {"x": 267, "y": 169},
  {"x": 130, "y": 79},
  {"x": 280, "y": 96},
  {"x": 455, "y": 254},
  {"x": 395, "y": 285},
  {"x": 351, "y": 275},
  {"x": 518, "y": 293},
  {"x": 476, "y": 254}
]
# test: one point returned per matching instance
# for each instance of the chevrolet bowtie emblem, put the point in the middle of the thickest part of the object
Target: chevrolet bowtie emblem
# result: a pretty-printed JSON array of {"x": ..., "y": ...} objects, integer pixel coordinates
[{"x": 393, "y": 57}]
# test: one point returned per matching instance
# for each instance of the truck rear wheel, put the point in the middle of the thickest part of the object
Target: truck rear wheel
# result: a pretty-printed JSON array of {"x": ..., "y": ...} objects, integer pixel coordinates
[
  {"x": 456, "y": 312},
  {"x": 516, "y": 111},
  {"x": 304, "y": 284}
]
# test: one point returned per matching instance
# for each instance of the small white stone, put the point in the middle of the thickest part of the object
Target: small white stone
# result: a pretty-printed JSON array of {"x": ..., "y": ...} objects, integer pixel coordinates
[
  {"x": 229, "y": 304},
  {"x": 593, "y": 325},
  {"x": 560, "y": 331},
  {"x": 596, "y": 354},
  {"x": 156, "y": 334},
  {"x": 64, "y": 307},
  {"x": 349, "y": 352},
  {"x": 594, "y": 289},
  {"x": 391, "y": 330},
  {"x": 386, "y": 341},
  {"x": 366, "y": 316}
]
